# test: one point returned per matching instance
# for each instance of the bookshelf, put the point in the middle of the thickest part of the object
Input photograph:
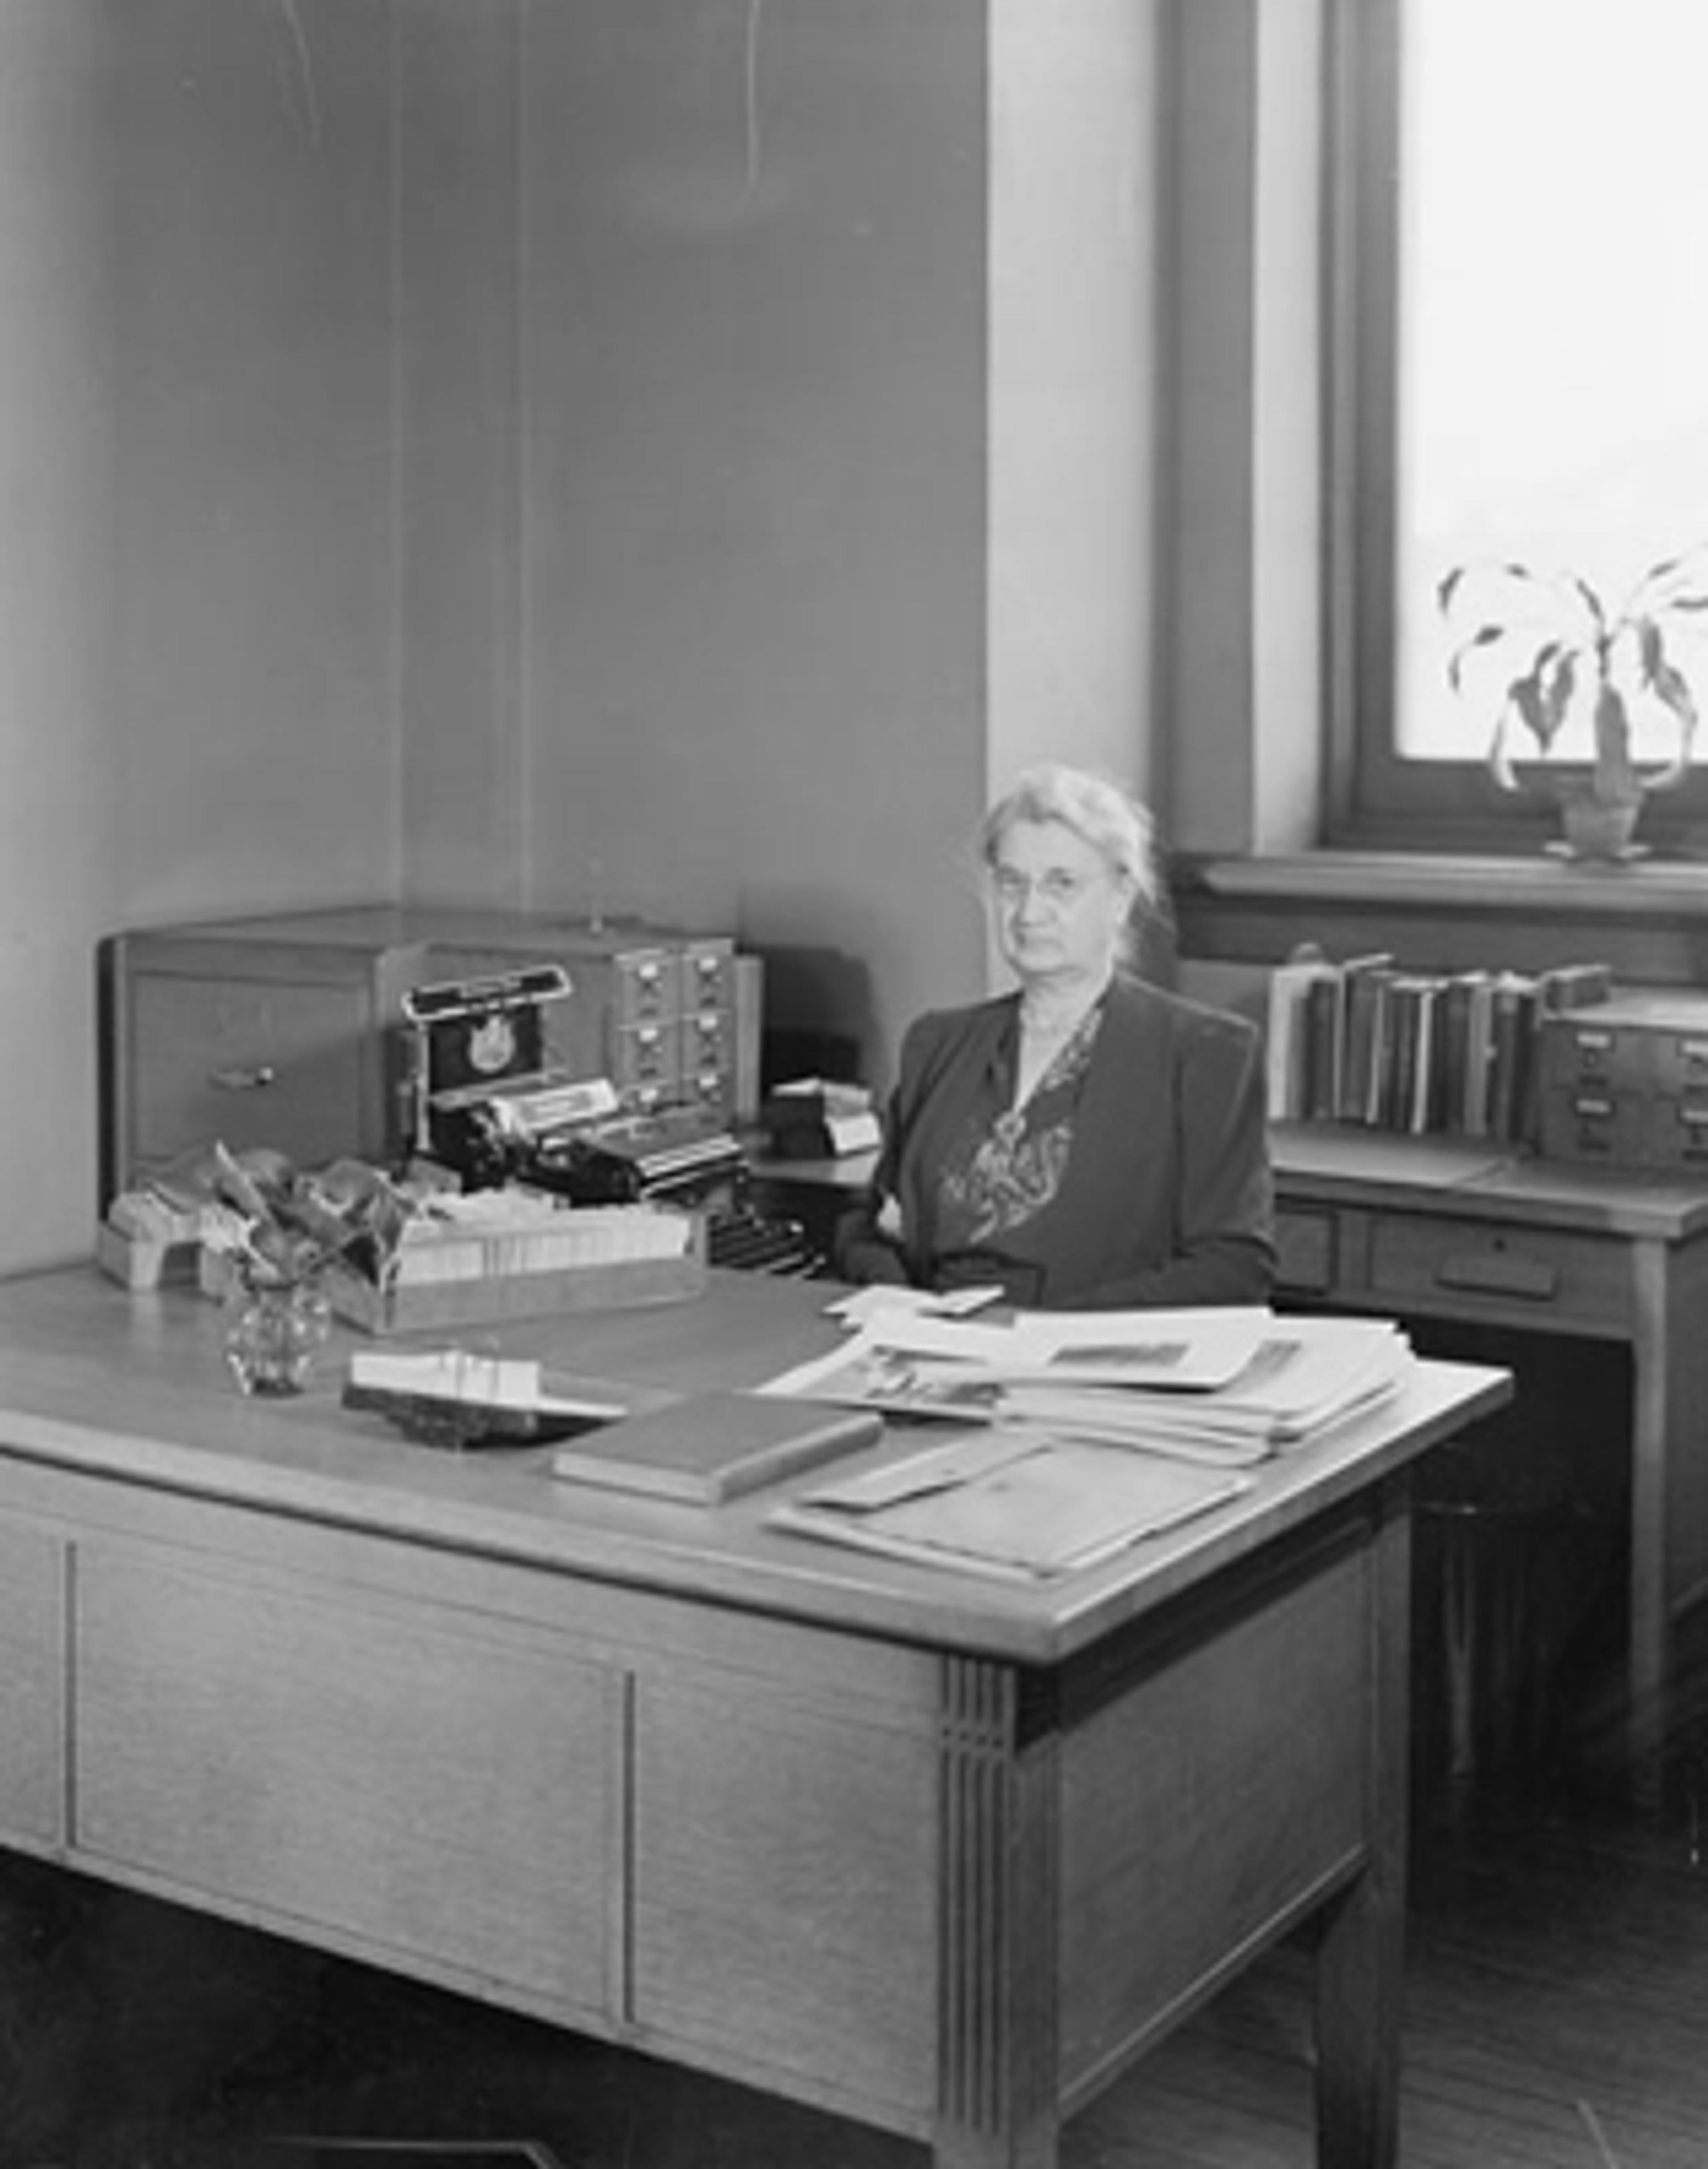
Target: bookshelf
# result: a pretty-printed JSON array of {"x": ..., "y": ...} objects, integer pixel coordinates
[{"x": 1365, "y": 1041}]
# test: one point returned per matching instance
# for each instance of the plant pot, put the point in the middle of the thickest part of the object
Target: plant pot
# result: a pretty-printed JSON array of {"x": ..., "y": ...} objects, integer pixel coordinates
[{"x": 1601, "y": 829}]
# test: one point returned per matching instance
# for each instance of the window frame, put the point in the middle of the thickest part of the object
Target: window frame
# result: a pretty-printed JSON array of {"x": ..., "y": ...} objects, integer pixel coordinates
[{"x": 1375, "y": 799}]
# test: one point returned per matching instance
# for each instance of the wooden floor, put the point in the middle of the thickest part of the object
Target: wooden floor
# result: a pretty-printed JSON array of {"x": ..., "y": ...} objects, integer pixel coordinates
[{"x": 1558, "y": 2015}]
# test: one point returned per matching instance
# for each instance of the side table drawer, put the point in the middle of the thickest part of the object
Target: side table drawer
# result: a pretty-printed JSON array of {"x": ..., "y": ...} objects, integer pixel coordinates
[{"x": 1535, "y": 1275}]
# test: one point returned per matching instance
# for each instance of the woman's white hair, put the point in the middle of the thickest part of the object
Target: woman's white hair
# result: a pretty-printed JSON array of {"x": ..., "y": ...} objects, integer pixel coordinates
[{"x": 1096, "y": 809}]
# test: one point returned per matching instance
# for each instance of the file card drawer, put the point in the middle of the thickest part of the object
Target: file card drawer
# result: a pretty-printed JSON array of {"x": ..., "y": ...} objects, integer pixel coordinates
[
  {"x": 643, "y": 1055},
  {"x": 644, "y": 987},
  {"x": 1535, "y": 1275},
  {"x": 709, "y": 973}
]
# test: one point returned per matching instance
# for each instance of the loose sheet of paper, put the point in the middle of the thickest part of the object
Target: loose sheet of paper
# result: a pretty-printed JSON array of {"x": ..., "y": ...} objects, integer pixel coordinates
[{"x": 1011, "y": 1504}]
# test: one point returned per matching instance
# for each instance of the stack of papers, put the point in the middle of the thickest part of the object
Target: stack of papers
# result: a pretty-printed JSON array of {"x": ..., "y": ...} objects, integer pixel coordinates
[
  {"x": 1306, "y": 1375},
  {"x": 1075, "y": 1436},
  {"x": 1010, "y": 1503},
  {"x": 1218, "y": 1386}
]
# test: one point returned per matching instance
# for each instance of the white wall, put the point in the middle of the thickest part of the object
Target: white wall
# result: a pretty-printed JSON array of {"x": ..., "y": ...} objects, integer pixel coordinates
[
  {"x": 1072, "y": 618},
  {"x": 1242, "y": 500},
  {"x": 742, "y": 556},
  {"x": 54, "y": 801},
  {"x": 196, "y": 680},
  {"x": 1071, "y": 621}
]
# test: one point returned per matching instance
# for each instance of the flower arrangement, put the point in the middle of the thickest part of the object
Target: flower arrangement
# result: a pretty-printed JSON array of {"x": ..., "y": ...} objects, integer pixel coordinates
[
  {"x": 280, "y": 1232},
  {"x": 1556, "y": 643},
  {"x": 280, "y": 1227}
]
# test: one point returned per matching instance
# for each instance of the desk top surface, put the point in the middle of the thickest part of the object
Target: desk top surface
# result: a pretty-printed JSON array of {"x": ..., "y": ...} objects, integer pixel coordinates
[
  {"x": 1472, "y": 1178},
  {"x": 133, "y": 1389},
  {"x": 1340, "y": 1162}
]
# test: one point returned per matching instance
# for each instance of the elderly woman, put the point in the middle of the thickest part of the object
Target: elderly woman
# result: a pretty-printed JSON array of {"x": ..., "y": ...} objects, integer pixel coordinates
[{"x": 1087, "y": 1141}]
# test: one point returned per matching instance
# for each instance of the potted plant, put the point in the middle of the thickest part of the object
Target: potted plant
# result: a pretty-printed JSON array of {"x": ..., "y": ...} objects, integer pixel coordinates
[{"x": 1555, "y": 645}]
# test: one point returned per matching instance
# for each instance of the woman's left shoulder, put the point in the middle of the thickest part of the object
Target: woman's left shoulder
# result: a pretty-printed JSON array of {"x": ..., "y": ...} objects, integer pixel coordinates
[{"x": 1146, "y": 1006}]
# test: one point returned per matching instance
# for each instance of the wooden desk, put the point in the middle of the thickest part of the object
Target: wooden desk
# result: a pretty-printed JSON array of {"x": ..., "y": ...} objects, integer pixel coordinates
[
  {"x": 940, "y": 1855},
  {"x": 1448, "y": 1229}
]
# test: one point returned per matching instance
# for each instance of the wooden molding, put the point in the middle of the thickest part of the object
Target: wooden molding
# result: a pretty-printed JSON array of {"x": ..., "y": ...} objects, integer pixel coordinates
[{"x": 1648, "y": 921}]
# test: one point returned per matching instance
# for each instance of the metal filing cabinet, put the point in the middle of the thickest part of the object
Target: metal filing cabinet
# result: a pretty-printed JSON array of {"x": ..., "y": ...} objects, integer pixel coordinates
[
  {"x": 283, "y": 1030},
  {"x": 654, "y": 1011}
]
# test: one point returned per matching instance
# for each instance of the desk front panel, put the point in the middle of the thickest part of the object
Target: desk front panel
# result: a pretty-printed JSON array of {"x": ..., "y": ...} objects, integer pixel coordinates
[
  {"x": 439, "y": 1789},
  {"x": 824, "y": 1864},
  {"x": 711, "y": 1835},
  {"x": 1221, "y": 1788},
  {"x": 785, "y": 1853},
  {"x": 33, "y": 1661}
]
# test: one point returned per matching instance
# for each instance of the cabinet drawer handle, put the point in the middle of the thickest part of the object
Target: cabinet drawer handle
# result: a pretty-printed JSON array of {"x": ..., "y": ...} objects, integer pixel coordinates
[
  {"x": 251, "y": 1078},
  {"x": 1481, "y": 1275}
]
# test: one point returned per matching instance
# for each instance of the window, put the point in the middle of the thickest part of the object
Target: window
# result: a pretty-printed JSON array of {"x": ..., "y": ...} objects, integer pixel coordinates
[{"x": 1519, "y": 368}]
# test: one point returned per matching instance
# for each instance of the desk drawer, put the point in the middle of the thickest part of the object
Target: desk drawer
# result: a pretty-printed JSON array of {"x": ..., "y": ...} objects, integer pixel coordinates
[
  {"x": 255, "y": 1063},
  {"x": 1308, "y": 1250},
  {"x": 1534, "y": 1275}
]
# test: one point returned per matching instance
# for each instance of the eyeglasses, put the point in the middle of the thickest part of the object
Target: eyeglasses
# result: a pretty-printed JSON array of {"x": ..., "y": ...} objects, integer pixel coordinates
[{"x": 1057, "y": 889}]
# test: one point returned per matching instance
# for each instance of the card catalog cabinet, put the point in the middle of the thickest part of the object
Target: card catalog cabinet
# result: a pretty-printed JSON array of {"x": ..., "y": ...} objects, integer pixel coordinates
[{"x": 286, "y": 1030}]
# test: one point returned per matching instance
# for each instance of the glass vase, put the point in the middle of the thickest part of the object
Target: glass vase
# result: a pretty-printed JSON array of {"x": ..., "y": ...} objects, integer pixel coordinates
[{"x": 273, "y": 1333}]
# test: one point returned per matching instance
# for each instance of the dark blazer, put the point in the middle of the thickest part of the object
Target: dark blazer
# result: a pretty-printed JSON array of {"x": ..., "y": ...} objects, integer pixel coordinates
[{"x": 1166, "y": 1199}]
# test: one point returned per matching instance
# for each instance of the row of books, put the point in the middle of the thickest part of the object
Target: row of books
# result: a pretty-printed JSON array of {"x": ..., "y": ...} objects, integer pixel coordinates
[{"x": 1451, "y": 1053}]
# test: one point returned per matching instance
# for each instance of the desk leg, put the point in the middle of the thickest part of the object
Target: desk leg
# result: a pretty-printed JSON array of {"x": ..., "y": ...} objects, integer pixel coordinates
[
  {"x": 1660, "y": 1404},
  {"x": 1361, "y": 1957},
  {"x": 996, "y": 1928}
]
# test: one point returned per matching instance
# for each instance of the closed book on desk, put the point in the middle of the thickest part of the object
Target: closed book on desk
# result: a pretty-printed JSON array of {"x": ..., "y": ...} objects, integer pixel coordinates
[{"x": 708, "y": 1447}]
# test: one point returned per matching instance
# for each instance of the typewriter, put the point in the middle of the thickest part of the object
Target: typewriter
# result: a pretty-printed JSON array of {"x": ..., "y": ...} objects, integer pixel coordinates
[
  {"x": 485, "y": 1109},
  {"x": 684, "y": 1154}
]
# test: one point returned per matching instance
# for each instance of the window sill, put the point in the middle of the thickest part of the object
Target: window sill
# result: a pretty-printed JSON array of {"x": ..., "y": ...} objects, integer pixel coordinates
[{"x": 1648, "y": 920}]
